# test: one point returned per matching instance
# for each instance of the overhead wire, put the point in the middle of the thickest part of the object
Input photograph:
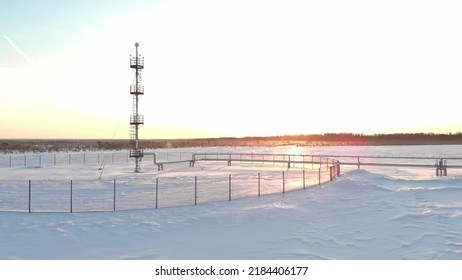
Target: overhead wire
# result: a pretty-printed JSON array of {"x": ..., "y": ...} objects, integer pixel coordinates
[{"x": 114, "y": 134}]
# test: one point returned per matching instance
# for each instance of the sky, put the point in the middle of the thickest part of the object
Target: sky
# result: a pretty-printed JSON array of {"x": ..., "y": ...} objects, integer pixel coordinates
[{"x": 230, "y": 68}]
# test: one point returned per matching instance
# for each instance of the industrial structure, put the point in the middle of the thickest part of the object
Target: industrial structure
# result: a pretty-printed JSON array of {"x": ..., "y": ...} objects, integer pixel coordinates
[
  {"x": 136, "y": 120},
  {"x": 441, "y": 167}
]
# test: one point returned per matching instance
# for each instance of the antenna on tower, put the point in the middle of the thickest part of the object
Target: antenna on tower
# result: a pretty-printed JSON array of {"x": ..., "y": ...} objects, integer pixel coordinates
[{"x": 136, "y": 120}]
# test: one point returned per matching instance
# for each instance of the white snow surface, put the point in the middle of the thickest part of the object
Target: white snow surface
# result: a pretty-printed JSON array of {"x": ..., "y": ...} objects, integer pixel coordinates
[{"x": 372, "y": 213}]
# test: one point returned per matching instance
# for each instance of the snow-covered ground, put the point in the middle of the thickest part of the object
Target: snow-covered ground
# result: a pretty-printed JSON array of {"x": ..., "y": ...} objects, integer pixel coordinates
[{"x": 372, "y": 213}]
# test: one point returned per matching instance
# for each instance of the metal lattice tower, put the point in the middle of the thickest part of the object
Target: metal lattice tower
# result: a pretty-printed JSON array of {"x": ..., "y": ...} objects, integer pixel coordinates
[{"x": 136, "y": 120}]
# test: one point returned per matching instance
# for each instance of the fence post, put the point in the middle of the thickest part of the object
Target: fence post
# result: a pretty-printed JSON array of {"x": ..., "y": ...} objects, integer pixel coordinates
[
  {"x": 112, "y": 157},
  {"x": 10, "y": 161},
  {"x": 157, "y": 189},
  {"x": 195, "y": 190},
  {"x": 30, "y": 183},
  {"x": 358, "y": 162},
  {"x": 258, "y": 183},
  {"x": 25, "y": 160},
  {"x": 84, "y": 162},
  {"x": 114, "y": 194},
  {"x": 54, "y": 159},
  {"x": 283, "y": 182},
  {"x": 304, "y": 185},
  {"x": 71, "y": 196},
  {"x": 229, "y": 187},
  {"x": 330, "y": 171},
  {"x": 319, "y": 175}
]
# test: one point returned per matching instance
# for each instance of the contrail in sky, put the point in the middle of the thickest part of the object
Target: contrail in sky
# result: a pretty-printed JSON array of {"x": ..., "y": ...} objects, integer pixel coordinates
[{"x": 19, "y": 51}]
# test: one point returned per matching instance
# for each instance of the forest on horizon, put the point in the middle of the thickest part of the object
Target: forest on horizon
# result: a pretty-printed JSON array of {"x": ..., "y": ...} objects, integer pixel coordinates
[{"x": 326, "y": 139}]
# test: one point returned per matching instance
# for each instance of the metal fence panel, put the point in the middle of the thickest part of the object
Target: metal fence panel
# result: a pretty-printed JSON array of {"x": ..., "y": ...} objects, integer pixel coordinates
[
  {"x": 93, "y": 195},
  {"x": 14, "y": 195},
  {"x": 50, "y": 196}
]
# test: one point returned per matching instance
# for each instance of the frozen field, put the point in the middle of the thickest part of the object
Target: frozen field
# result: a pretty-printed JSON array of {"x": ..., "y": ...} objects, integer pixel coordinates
[{"x": 372, "y": 213}]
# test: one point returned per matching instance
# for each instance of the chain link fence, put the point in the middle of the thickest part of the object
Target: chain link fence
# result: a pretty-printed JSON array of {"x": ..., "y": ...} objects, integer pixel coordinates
[{"x": 150, "y": 192}]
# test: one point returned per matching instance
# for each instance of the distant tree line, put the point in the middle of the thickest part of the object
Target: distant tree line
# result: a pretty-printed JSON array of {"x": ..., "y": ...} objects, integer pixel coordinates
[
  {"x": 73, "y": 145},
  {"x": 376, "y": 139},
  {"x": 326, "y": 139}
]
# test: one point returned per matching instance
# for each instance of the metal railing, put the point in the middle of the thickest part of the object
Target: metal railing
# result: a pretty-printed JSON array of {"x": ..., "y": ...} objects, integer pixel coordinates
[
  {"x": 439, "y": 164},
  {"x": 137, "y": 62},
  {"x": 290, "y": 160},
  {"x": 136, "y": 89},
  {"x": 136, "y": 119}
]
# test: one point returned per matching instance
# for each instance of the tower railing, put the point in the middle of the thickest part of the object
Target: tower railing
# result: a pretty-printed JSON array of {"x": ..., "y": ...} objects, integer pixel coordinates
[
  {"x": 136, "y": 119},
  {"x": 136, "y": 153},
  {"x": 137, "y": 62},
  {"x": 136, "y": 89}
]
